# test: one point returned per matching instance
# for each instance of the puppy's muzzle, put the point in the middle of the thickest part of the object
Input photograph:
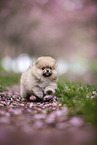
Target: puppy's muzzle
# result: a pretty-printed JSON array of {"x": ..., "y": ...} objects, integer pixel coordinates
[{"x": 47, "y": 73}]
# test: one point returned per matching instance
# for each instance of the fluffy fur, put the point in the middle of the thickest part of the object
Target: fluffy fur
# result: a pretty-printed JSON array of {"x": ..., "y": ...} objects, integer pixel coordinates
[{"x": 40, "y": 79}]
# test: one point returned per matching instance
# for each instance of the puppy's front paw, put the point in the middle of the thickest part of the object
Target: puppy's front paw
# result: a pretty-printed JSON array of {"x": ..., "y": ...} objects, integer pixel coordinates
[{"x": 49, "y": 91}]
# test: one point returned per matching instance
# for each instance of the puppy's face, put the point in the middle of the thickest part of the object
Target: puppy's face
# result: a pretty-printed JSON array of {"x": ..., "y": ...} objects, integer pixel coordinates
[
  {"x": 46, "y": 66},
  {"x": 47, "y": 71}
]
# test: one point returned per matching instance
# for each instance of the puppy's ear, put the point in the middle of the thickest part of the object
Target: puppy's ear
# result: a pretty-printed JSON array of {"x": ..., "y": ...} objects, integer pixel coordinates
[{"x": 37, "y": 61}]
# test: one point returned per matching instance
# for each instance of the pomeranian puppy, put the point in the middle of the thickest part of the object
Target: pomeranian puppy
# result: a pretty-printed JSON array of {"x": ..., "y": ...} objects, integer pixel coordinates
[{"x": 40, "y": 79}]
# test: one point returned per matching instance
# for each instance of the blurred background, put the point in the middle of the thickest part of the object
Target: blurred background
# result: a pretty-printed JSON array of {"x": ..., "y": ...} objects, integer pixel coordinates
[{"x": 63, "y": 29}]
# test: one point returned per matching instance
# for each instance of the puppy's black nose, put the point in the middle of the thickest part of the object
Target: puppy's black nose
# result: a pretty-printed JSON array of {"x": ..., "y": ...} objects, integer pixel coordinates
[{"x": 47, "y": 71}]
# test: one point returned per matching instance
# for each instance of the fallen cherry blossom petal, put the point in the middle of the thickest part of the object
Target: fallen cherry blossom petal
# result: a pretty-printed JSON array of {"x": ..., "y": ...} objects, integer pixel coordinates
[{"x": 76, "y": 121}]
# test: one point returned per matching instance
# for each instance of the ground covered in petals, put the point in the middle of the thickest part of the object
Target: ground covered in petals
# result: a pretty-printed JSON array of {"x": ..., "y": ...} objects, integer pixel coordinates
[{"x": 40, "y": 123}]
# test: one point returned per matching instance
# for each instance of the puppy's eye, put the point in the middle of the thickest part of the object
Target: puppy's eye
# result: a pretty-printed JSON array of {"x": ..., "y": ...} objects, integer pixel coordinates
[
  {"x": 50, "y": 68},
  {"x": 43, "y": 68}
]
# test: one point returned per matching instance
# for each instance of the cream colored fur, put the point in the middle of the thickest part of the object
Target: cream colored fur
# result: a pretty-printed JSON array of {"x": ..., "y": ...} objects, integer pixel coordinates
[{"x": 33, "y": 82}]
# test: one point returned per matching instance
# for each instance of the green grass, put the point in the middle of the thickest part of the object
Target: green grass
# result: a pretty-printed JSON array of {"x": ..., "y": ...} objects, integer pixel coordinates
[
  {"x": 8, "y": 79},
  {"x": 2, "y": 88},
  {"x": 81, "y": 100}
]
